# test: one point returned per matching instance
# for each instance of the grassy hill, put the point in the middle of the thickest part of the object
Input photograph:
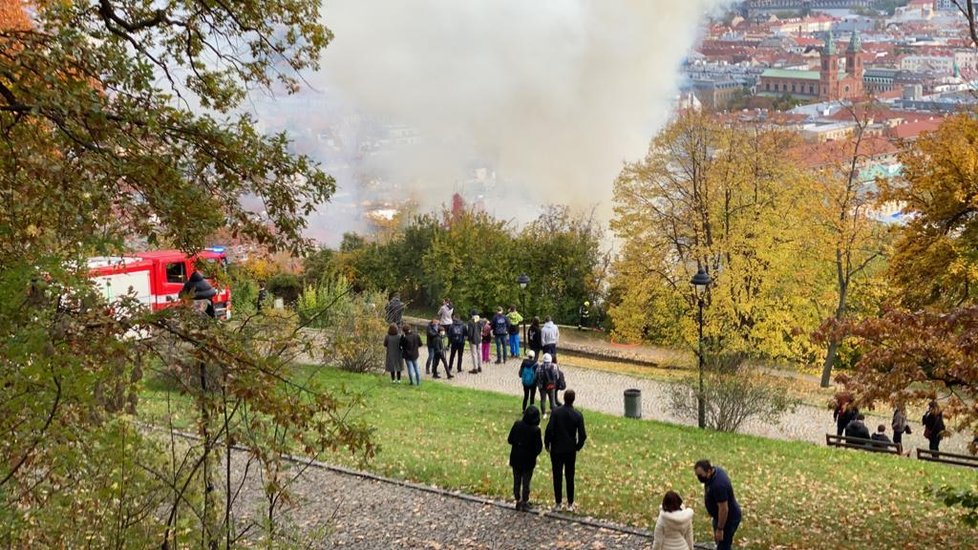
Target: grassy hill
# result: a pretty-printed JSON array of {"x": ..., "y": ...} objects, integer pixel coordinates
[{"x": 794, "y": 495}]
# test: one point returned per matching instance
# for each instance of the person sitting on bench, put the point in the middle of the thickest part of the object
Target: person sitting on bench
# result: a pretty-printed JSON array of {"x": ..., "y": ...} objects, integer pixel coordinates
[
  {"x": 857, "y": 428},
  {"x": 880, "y": 436}
]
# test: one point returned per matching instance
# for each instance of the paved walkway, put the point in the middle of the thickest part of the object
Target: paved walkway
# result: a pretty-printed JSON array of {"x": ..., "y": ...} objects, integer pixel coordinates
[
  {"x": 336, "y": 508},
  {"x": 604, "y": 391}
]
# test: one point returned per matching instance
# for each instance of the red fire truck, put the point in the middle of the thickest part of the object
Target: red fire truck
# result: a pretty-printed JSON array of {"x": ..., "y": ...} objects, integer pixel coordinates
[{"x": 158, "y": 276}]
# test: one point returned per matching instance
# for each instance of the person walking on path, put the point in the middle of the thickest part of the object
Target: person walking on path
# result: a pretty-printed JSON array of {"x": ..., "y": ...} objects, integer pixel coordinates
[
  {"x": 500, "y": 331},
  {"x": 445, "y": 312},
  {"x": 534, "y": 338},
  {"x": 565, "y": 438},
  {"x": 934, "y": 425},
  {"x": 549, "y": 337},
  {"x": 410, "y": 345},
  {"x": 526, "y": 443},
  {"x": 674, "y": 526},
  {"x": 474, "y": 336},
  {"x": 528, "y": 377},
  {"x": 721, "y": 504},
  {"x": 486, "y": 340},
  {"x": 394, "y": 310},
  {"x": 457, "y": 335},
  {"x": 513, "y": 320},
  {"x": 431, "y": 332},
  {"x": 394, "y": 363},
  {"x": 547, "y": 382},
  {"x": 899, "y": 424}
]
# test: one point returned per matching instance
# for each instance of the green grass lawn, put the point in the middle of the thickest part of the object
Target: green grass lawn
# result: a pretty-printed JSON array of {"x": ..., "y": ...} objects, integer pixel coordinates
[{"x": 794, "y": 495}]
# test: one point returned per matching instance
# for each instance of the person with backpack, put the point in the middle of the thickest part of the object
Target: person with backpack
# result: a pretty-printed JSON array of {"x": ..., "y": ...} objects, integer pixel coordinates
[
  {"x": 513, "y": 319},
  {"x": 561, "y": 383},
  {"x": 458, "y": 333},
  {"x": 526, "y": 443},
  {"x": 528, "y": 376},
  {"x": 500, "y": 331},
  {"x": 549, "y": 335},
  {"x": 474, "y": 336},
  {"x": 547, "y": 383},
  {"x": 486, "y": 340}
]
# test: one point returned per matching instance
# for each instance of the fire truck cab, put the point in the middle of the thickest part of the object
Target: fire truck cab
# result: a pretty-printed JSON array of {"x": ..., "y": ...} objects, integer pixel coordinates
[{"x": 158, "y": 276}]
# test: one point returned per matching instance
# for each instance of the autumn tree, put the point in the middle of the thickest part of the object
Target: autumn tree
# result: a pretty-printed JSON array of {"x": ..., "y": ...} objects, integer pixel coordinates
[
  {"x": 711, "y": 196},
  {"x": 924, "y": 345},
  {"x": 847, "y": 238},
  {"x": 122, "y": 122}
]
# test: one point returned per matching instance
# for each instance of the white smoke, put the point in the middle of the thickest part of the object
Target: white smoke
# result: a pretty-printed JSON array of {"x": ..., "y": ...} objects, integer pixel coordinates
[{"x": 554, "y": 95}]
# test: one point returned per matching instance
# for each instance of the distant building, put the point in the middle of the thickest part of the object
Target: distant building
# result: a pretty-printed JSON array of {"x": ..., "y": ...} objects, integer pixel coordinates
[
  {"x": 826, "y": 84},
  {"x": 716, "y": 95}
]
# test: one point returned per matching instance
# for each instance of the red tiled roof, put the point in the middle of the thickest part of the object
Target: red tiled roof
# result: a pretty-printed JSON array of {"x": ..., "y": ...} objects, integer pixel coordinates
[
  {"x": 911, "y": 130},
  {"x": 817, "y": 155}
]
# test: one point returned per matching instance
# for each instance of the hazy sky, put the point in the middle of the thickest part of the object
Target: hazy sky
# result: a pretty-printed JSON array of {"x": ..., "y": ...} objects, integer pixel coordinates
[{"x": 555, "y": 94}]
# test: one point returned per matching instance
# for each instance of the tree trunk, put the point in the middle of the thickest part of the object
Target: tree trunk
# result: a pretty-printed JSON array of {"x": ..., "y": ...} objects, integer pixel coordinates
[{"x": 840, "y": 312}]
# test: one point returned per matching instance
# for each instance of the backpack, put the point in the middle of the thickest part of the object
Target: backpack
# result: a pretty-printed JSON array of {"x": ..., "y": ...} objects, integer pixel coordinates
[
  {"x": 529, "y": 375},
  {"x": 456, "y": 333},
  {"x": 561, "y": 382},
  {"x": 500, "y": 325},
  {"x": 546, "y": 377}
]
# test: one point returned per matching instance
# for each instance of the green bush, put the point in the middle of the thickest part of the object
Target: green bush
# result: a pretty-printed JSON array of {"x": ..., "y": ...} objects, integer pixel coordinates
[
  {"x": 358, "y": 339},
  {"x": 286, "y": 286}
]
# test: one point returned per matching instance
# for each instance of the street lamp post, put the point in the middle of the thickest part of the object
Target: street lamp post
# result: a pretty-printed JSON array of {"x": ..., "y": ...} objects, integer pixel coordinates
[
  {"x": 523, "y": 280},
  {"x": 701, "y": 281}
]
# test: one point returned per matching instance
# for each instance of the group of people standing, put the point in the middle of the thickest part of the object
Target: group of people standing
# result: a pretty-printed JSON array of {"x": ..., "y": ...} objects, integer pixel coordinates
[
  {"x": 851, "y": 423},
  {"x": 564, "y": 438},
  {"x": 447, "y": 331},
  {"x": 565, "y": 434}
]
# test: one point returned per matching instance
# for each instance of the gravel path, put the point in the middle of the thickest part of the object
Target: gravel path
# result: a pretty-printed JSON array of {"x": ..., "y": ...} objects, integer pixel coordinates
[
  {"x": 343, "y": 509},
  {"x": 603, "y": 391}
]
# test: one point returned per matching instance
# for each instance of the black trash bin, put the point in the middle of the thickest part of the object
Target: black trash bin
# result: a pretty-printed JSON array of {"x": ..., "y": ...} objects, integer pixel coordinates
[{"x": 633, "y": 403}]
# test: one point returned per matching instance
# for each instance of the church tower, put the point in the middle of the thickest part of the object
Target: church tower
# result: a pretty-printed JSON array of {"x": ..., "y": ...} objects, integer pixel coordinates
[
  {"x": 829, "y": 73},
  {"x": 854, "y": 66}
]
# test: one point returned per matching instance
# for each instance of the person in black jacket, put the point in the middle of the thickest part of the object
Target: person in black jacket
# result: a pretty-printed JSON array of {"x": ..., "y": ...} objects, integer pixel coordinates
[
  {"x": 458, "y": 332},
  {"x": 564, "y": 438},
  {"x": 534, "y": 337},
  {"x": 410, "y": 344},
  {"x": 524, "y": 436},
  {"x": 934, "y": 427},
  {"x": 858, "y": 428},
  {"x": 843, "y": 414},
  {"x": 432, "y": 335}
]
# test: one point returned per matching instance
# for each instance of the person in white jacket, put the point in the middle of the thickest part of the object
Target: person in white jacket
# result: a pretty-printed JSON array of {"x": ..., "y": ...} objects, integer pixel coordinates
[{"x": 674, "y": 527}]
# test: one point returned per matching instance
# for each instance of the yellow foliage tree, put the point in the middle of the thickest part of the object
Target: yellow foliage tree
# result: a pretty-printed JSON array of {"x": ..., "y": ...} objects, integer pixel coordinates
[{"x": 724, "y": 199}]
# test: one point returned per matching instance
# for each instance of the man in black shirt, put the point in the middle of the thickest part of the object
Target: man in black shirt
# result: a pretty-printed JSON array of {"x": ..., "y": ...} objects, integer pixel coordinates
[
  {"x": 565, "y": 436},
  {"x": 720, "y": 502}
]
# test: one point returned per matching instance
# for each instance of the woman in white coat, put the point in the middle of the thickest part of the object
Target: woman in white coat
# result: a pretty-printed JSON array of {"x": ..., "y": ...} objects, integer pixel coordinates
[{"x": 674, "y": 527}]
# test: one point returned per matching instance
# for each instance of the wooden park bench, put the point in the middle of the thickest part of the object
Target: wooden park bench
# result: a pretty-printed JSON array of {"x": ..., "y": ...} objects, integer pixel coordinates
[
  {"x": 861, "y": 444},
  {"x": 947, "y": 458}
]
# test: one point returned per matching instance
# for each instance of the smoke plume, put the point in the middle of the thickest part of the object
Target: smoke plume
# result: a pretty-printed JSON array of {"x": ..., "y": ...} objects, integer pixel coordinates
[{"x": 552, "y": 97}]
